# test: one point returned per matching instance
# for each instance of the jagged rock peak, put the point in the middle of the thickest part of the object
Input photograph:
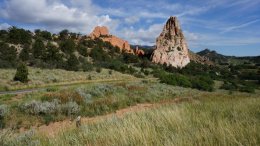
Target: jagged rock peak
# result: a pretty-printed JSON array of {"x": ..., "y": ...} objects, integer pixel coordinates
[{"x": 171, "y": 46}]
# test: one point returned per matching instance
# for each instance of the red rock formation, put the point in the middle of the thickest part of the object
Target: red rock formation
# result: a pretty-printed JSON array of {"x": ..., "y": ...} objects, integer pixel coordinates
[
  {"x": 139, "y": 52},
  {"x": 171, "y": 46},
  {"x": 103, "y": 33}
]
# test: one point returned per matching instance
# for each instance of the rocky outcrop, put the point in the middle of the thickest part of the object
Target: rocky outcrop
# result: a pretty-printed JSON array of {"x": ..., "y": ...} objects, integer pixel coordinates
[
  {"x": 139, "y": 52},
  {"x": 102, "y": 32},
  {"x": 199, "y": 59},
  {"x": 99, "y": 31},
  {"x": 171, "y": 46}
]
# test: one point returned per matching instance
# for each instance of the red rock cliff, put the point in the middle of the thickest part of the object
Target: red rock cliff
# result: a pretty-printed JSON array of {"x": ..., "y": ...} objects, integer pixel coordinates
[{"x": 102, "y": 32}]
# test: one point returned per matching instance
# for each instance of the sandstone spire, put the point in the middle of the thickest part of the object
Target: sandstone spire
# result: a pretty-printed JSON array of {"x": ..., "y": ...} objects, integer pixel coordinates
[{"x": 171, "y": 46}]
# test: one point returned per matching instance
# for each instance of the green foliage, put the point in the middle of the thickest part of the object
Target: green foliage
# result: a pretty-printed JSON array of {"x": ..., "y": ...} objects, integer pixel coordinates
[
  {"x": 43, "y": 34},
  {"x": 68, "y": 46},
  {"x": 247, "y": 89},
  {"x": 72, "y": 63},
  {"x": 3, "y": 35},
  {"x": 82, "y": 50},
  {"x": 64, "y": 34},
  {"x": 38, "y": 49},
  {"x": 19, "y": 36},
  {"x": 175, "y": 79},
  {"x": 21, "y": 73},
  {"x": 98, "y": 54},
  {"x": 4, "y": 110},
  {"x": 88, "y": 43},
  {"x": 8, "y": 56},
  {"x": 130, "y": 58},
  {"x": 53, "y": 56},
  {"x": 24, "y": 55},
  {"x": 98, "y": 69},
  {"x": 86, "y": 66},
  {"x": 198, "y": 82},
  {"x": 202, "y": 83},
  {"x": 229, "y": 86},
  {"x": 48, "y": 119}
]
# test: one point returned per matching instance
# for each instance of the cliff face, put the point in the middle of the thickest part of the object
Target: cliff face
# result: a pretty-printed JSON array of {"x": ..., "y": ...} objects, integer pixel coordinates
[
  {"x": 103, "y": 33},
  {"x": 171, "y": 46}
]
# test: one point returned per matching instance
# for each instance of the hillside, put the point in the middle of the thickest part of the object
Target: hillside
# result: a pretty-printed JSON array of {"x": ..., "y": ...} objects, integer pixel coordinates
[{"x": 222, "y": 59}]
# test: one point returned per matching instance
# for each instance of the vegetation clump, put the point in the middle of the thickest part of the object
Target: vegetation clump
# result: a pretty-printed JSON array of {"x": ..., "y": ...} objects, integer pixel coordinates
[{"x": 21, "y": 73}]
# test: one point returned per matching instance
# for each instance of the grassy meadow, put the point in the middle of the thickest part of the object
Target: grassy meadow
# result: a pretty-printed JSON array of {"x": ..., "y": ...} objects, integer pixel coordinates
[
  {"x": 46, "y": 77},
  {"x": 175, "y": 116},
  {"x": 207, "y": 119}
]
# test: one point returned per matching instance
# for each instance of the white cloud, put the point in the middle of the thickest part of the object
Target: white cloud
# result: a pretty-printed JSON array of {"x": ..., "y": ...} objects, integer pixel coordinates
[
  {"x": 54, "y": 15},
  {"x": 231, "y": 28},
  {"x": 142, "y": 36},
  {"x": 4, "y": 26},
  {"x": 132, "y": 19}
]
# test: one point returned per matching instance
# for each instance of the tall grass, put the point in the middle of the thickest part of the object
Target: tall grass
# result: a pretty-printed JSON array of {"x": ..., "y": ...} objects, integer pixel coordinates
[
  {"x": 40, "y": 77},
  {"x": 213, "y": 120}
]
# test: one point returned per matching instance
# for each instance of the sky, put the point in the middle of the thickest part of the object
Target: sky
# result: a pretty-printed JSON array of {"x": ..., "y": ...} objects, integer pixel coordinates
[{"x": 231, "y": 27}]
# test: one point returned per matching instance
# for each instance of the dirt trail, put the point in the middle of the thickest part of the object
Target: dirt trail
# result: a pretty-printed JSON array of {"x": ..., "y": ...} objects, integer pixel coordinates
[{"x": 55, "y": 128}]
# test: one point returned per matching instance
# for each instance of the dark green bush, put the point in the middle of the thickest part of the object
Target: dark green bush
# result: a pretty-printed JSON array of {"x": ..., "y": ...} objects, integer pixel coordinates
[
  {"x": 73, "y": 63},
  {"x": 8, "y": 56},
  {"x": 202, "y": 83},
  {"x": 21, "y": 73}
]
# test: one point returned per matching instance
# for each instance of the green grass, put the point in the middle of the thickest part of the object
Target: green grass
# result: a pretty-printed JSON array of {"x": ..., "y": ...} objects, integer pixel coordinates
[
  {"x": 47, "y": 77},
  {"x": 93, "y": 99},
  {"x": 216, "y": 119}
]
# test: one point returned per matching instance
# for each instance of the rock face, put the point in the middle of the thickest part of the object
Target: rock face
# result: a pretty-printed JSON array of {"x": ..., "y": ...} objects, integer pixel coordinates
[
  {"x": 102, "y": 32},
  {"x": 99, "y": 31},
  {"x": 171, "y": 46},
  {"x": 139, "y": 52}
]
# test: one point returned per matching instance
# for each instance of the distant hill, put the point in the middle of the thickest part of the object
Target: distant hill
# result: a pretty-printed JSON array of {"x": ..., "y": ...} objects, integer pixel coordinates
[
  {"x": 213, "y": 56},
  {"x": 226, "y": 60}
]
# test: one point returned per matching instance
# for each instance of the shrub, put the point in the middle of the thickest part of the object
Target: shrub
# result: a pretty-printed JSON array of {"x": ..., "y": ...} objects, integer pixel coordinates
[
  {"x": 85, "y": 94},
  {"x": 87, "y": 66},
  {"x": 54, "y": 107},
  {"x": 89, "y": 77},
  {"x": 68, "y": 46},
  {"x": 202, "y": 83},
  {"x": 21, "y": 73},
  {"x": 98, "y": 69},
  {"x": 175, "y": 79},
  {"x": 24, "y": 55},
  {"x": 3, "y": 112},
  {"x": 73, "y": 63},
  {"x": 247, "y": 89},
  {"x": 47, "y": 119},
  {"x": 70, "y": 108},
  {"x": 8, "y": 56},
  {"x": 38, "y": 107},
  {"x": 19, "y": 36},
  {"x": 229, "y": 86},
  {"x": 38, "y": 49}
]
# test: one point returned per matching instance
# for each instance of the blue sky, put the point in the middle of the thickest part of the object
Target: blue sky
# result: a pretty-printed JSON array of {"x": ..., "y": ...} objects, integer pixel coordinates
[{"x": 231, "y": 27}]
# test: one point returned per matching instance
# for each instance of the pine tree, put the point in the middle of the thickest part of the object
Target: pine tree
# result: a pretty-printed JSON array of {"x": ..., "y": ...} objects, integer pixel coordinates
[
  {"x": 24, "y": 55},
  {"x": 21, "y": 73},
  {"x": 73, "y": 63},
  {"x": 38, "y": 49}
]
